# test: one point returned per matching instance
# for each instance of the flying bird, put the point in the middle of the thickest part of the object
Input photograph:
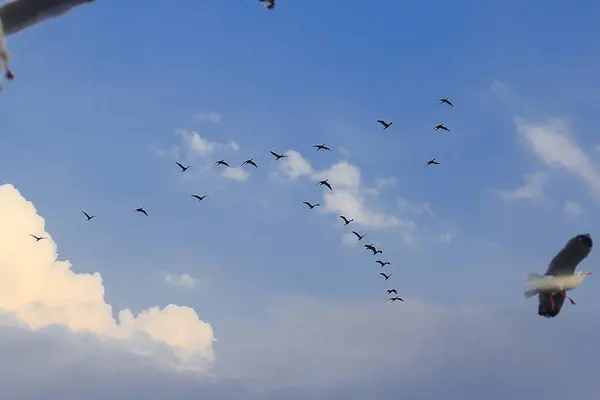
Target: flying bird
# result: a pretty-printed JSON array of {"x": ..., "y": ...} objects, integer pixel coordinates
[
  {"x": 183, "y": 168},
  {"x": 325, "y": 183},
  {"x": 358, "y": 235},
  {"x": 88, "y": 216},
  {"x": 385, "y": 124},
  {"x": 321, "y": 147},
  {"x": 269, "y": 4},
  {"x": 251, "y": 162},
  {"x": 390, "y": 291},
  {"x": 37, "y": 238},
  {"x": 432, "y": 161},
  {"x": 383, "y": 264},
  {"x": 393, "y": 299},
  {"x": 141, "y": 210},
  {"x": 346, "y": 220},
  {"x": 222, "y": 162},
  {"x": 278, "y": 156},
  {"x": 200, "y": 198},
  {"x": 385, "y": 276},
  {"x": 17, "y": 15},
  {"x": 311, "y": 206},
  {"x": 372, "y": 248},
  {"x": 441, "y": 126},
  {"x": 560, "y": 276},
  {"x": 445, "y": 100}
]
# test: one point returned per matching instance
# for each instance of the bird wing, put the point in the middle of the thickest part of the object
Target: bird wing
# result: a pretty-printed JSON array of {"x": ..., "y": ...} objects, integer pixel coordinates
[
  {"x": 84, "y": 213},
  {"x": 306, "y": 202},
  {"x": 17, "y": 15},
  {"x": 381, "y": 122},
  {"x": 275, "y": 154},
  {"x": 565, "y": 262},
  {"x": 180, "y": 165},
  {"x": 545, "y": 307}
]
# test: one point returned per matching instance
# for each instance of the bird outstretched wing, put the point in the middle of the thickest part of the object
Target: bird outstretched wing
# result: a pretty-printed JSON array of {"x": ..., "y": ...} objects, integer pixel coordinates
[
  {"x": 545, "y": 308},
  {"x": 575, "y": 251}
]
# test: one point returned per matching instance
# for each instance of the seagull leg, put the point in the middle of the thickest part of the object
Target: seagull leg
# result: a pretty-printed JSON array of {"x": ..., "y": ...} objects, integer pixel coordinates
[{"x": 564, "y": 293}]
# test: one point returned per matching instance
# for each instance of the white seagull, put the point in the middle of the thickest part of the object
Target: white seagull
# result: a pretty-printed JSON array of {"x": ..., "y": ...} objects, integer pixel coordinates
[{"x": 560, "y": 276}]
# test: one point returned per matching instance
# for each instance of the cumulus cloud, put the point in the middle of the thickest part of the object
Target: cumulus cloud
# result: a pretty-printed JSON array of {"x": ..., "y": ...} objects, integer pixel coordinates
[
  {"x": 532, "y": 189},
  {"x": 553, "y": 145},
  {"x": 184, "y": 281},
  {"x": 294, "y": 166},
  {"x": 574, "y": 208},
  {"x": 235, "y": 173},
  {"x": 196, "y": 144},
  {"x": 234, "y": 145},
  {"x": 41, "y": 291}
]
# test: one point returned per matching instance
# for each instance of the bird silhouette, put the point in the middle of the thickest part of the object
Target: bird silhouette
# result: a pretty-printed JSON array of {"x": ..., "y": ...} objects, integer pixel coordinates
[
  {"x": 346, "y": 220},
  {"x": 200, "y": 198},
  {"x": 441, "y": 126},
  {"x": 385, "y": 276},
  {"x": 37, "y": 238},
  {"x": 385, "y": 124},
  {"x": 358, "y": 235},
  {"x": 372, "y": 248},
  {"x": 311, "y": 206},
  {"x": 222, "y": 162},
  {"x": 269, "y": 4},
  {"x": 325, "y": 183},
  {"x": 141, "y": 210},
  {"x": 278, "y": 156},
  {"x": 382, "y": 263},
  {"x": 183, "y": 168},
  {"x": 88, "y": 216},
  {"x": 321, "y": 147},
  {"x": 393, "y": 299},
  {"x": 251, "y": 162},
  {"x": 445, "y": 100},
  {"x": 432, "y": 161},
  {"x": 390, "y": 291}
]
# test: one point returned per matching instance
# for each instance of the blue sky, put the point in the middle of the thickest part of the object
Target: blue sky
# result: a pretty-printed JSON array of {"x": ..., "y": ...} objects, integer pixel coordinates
[{"x": 91, "y": 122}]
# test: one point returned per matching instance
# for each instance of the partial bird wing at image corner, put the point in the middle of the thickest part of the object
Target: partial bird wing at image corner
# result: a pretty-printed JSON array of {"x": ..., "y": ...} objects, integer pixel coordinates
[{"x": 574, "y": 252}]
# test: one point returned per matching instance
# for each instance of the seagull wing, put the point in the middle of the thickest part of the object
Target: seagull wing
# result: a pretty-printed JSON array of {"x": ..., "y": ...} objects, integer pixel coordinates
[
  {"x": 274, "y": 154},
  {"x": 382, "y": 122},
  {"x": 545, "y": 307},
  {"x": 575, "y": 251},
  {"x": 180, "y": 165}
]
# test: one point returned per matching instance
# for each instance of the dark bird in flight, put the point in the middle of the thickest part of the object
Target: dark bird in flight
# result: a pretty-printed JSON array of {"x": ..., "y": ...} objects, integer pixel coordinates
[
  {"x": 385, "y": 276},
  {"x": 200, "y": 198},
  {"x": 346, "y": 220},
  {"x": 441, "y": 126},
  {"x": 321, "y": 147},
  {"x": 222, "y": 162},
  {"x": 358, "y": 235},
  {"x": 390, "y": 291},
  {"x": 269, "y": 4},
  {"x": 432, "y": 161},
  {"x": 251, "y": 162},
  {"x": 141, "y": 210},
  {"x": 88, "y": 216},
  {"x": 278, "y": 156},
  {"x": 183, "y": 168},
  {"x": 325, "y": 183},
  {"x": 445, "y": 100},
  {"x": 372, "y": 248},
  {"x": 385, "y": 124},
  {"x": 37, "y": 238},
  {"x": 311, "y": 206},
  {"x": 382, "y": 263},
  {"x": 393, "y": 299}
]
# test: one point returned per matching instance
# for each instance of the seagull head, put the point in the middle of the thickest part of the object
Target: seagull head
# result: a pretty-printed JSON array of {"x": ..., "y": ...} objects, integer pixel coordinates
[{"x": 584, "y": 274}]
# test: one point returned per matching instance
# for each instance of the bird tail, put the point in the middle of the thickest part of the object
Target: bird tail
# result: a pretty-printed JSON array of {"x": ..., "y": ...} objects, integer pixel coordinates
[{"x": 532, "y": 280}]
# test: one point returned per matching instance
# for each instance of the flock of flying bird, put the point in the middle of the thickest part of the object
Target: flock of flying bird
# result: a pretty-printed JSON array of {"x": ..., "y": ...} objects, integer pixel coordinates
[{"x": 325, "y": 183}]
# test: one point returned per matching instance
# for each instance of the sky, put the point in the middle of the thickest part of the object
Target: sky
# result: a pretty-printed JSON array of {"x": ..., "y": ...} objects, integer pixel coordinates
[{"x": 248, "y": 294}]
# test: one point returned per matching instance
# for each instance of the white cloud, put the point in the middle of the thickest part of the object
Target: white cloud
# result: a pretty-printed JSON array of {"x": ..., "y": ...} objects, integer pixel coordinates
[
  {"x": 196, "y": 144},
  {"x": 294, "y": 166},
  {"x": 531, "y": 190},
  {"x": 184, "y": 281},
  {"x": 554, "y": 146},
  {"x": 415, "y": 208},
  {"x": 234, "y": 145},
  {"x": 211, "y": 116},
  {"x": 235, "y": 173},
  {"x": 445, "y": 237},
  {"x": 574, "y": 208},
  {"x": 41, "y": 291}
]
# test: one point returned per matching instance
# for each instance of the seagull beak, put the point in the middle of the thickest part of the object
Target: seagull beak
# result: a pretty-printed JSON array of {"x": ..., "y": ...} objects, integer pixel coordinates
[{"x": 588, "y": 273}]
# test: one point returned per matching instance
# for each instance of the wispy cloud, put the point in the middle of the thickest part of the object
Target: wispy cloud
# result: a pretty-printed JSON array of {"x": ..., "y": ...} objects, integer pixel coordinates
[
  {"x": 196, "y": 144},
  {"x": 574, "y": 208},
  {"x": 235, "y": 173},
  {"x": 211, "y": 116},
  {"x": 294, "y": 166},
  {"x": 184, "y": 281},
  {"x": 532, "y": 189}
]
